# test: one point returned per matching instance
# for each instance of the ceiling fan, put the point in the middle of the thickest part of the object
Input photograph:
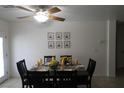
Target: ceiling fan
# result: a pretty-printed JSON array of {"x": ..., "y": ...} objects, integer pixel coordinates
[{"x": 40, "y": 13}]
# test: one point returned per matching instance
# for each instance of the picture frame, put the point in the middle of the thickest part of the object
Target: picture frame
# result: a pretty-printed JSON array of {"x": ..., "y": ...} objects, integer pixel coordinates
[
  {"x": 47, "y": 59},
  {"x": 59, "y": 44},
  {"x": 50, "y": 35},
  {"x": 67, "y": 35},
  {"x": 67, "y": 44},
  {"x": 51, "y": 44},
  {"x": 58, "y": 35}
]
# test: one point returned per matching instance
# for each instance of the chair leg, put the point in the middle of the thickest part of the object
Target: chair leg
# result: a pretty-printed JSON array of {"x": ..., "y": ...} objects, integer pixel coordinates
[
  {"x": 22, "y": 85},
  {"x": 90, "y": 85},
  {"x": 87, "y": 85},
  {"x": 26, "y": 86},
  {"x": 30, "y": 86}
]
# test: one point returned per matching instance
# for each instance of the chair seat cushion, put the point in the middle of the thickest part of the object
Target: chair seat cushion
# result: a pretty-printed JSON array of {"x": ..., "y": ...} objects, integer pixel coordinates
[
  {"x": 82, "y": 77},
  {"x": 82, "y": 73}
]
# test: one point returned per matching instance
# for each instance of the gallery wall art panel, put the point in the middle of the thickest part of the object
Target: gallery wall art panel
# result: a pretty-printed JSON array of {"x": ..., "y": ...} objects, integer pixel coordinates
[
  {"x": 59, "y": 40},
  {"x": 51, "y": 44},
  {"x": 50, "y": 35},
  {"x": 59, "y": 44}
]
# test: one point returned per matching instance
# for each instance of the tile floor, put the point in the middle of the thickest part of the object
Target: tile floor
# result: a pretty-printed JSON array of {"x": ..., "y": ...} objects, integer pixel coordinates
[{"x": 97, "y": 82}]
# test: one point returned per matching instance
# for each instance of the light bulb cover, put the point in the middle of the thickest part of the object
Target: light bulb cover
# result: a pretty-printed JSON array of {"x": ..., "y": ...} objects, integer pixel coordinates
[{"x": 41, "y": 16}]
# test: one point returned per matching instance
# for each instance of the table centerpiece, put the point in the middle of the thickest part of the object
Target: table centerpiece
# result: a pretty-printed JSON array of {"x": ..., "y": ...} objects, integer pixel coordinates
[{"x": 53, "y": 64}]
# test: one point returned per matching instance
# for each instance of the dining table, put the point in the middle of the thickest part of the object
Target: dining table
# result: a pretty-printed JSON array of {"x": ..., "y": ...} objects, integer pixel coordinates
[
  {"x": 78, "y": 67},
  {"x": 73, "y": 67},
  {"x": 52, "y": 75}
]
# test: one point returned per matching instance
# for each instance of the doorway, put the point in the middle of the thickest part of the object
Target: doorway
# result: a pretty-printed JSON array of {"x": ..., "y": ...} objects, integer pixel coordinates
[
  {"x": 3, "y": 65},
  {"x": 119, "y": 48}
]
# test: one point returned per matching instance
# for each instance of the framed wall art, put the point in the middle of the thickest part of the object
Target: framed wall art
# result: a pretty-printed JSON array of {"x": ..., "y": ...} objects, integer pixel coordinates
[
  {"x": 67, "y": 44},
  {"x": 50, "y": 35},
  {"x": 67, "y": 35},
  {"x": 59, "y": 44},
  {"x": 51, "y": 44},
  {"x": 58, "y": 35},
  {"x": 59, "y": 40}
]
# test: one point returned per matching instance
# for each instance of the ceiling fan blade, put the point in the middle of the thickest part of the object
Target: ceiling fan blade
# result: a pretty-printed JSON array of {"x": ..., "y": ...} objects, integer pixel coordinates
[
  {"x": 56, "y": 18},
  {"x": 24, "y": 8},
  {"x": 54, "y": 10},
  {"x": 8, "y": 6},
  {"x": 23, "y": 17}
]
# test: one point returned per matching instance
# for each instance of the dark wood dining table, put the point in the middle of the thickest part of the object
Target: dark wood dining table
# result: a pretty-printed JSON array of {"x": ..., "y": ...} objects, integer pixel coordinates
[
  {"x": 52, "y": 74},
  {"x": 79, "y": 68},
  {"x": 41, "y": 68}
]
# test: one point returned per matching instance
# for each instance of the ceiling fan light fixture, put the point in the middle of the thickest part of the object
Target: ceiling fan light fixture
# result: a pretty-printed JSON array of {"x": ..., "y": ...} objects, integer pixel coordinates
[{"x": 41, "y": 16}]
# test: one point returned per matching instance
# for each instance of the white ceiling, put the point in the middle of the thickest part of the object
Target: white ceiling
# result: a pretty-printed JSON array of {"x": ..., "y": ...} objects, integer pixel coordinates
[{"x": 70, "y": 12}]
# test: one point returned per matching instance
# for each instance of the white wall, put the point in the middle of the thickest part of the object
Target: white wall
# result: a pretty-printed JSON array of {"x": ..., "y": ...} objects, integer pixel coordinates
[
  {"x": 4, "y": 31},
  {"x": 29, "y": 41}
]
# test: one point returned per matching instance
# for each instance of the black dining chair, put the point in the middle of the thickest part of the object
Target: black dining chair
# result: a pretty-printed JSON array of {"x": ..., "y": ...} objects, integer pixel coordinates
[
  {"x": 85, "y": 77},
  {"x": 65, "y": 79},
  {"x": 47, "y": 59},
  {"x": 39, "y": 79},
  {"x": 22, "y": 69}
]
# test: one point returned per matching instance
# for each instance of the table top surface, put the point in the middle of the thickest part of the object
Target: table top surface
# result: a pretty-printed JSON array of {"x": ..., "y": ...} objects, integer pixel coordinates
[{"x": 59, "y": 68}]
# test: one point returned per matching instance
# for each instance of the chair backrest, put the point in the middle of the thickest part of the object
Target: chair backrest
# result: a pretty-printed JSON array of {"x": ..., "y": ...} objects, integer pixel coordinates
[
  {"x": 38, "y": 79},
  {"x": 91, "y": 67},
  {"x": 22, "y": 69},
  {"x": 47, "y": 59}
]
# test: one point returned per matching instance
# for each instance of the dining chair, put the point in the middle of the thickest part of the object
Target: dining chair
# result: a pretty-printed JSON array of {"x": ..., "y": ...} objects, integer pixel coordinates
[
  {"x": 47, "y": 59},
  {"x": 22, "y": 69},
  {"x": 85, "y": 77},
  {"x": 65, "y": 79},
  {"x": 39, "y": 79}
]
